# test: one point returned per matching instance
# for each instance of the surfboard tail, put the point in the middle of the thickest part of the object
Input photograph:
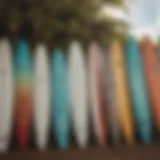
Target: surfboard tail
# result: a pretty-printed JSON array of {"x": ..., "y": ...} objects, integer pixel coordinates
[
  {"x": 4, "y": 144},
  {"x": 82, "y": 140},
  {"x": 63, "y": 141},
  {"x": 41, "y": 140},
  {"x": 22, "y": 137},
  {"x": 128, "y": 133},
  {"x": 23, "y": 118},
  {"x": 81, "y": 132},
  {"x": 146, "y": 133},
  {"x": 62, "y": 132},
  {"x": 157, "y": 117}
]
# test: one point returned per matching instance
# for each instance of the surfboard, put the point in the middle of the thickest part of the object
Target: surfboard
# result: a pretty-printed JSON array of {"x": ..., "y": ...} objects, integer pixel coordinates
[
  {"x": 117, "y": 60},
  {"x": 138, "y": 90},
  {"x": 41, "y": 109},
  {"x": 111, "y": 107},
  {"x": 152, "y": 73},
  {"x": 6, "y": 94},
  {"x": 78, "y": 91},
  {"x": 96, "y": 93},
  {"x": 23, "y": 80},
  {"x": 60, "y": 97}
]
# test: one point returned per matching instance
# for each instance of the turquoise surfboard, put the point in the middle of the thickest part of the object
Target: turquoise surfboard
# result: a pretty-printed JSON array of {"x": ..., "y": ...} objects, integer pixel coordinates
[
  {"x": 138, "y": 91},
  {"x": 60, "y": 98}
]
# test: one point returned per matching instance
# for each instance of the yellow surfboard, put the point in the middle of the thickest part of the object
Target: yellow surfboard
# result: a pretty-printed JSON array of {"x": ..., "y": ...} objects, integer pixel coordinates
[{"x": 117, "y": 60}]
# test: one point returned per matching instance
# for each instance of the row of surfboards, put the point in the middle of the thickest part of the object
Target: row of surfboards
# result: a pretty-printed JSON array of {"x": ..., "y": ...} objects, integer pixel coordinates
[{"x": 117, "y": 88}]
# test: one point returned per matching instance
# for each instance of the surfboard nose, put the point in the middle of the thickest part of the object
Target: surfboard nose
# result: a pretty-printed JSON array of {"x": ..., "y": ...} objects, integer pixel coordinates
[
  {"x": 131, "y": 39},
  {"x": 22, "y": 54},
  {"x": 58, "y": 57}
]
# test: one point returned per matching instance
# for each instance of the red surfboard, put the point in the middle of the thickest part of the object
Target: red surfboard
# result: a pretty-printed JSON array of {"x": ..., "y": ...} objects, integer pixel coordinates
[
  {"x": 152, "y": 72},
  {"x": 23, "y": 91},
  {"x": 97, "y": 96}
]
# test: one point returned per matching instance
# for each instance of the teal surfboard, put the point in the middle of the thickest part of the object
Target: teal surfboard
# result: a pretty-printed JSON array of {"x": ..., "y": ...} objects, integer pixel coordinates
[
  {"x": 60, "y": 97},
  {"x": 138, "y": 91}
]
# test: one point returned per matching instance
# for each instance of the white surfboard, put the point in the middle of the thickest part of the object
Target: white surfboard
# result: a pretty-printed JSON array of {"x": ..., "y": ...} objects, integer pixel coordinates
[
  {"x": 78, "y": 91},
  {"x": 6, "y": 94},
  {"x": 96, "y": 93},
  {"x": 41, "y": 97}
]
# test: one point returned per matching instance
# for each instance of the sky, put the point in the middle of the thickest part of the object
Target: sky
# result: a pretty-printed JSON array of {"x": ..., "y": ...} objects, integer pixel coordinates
[{"x": 143, "y": 17}]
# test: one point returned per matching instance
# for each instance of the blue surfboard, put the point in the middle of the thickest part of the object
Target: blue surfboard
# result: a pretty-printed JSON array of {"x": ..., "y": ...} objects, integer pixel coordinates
[
  {"x": 138, "y": 91},
  {"x": 60, "y": 97}
]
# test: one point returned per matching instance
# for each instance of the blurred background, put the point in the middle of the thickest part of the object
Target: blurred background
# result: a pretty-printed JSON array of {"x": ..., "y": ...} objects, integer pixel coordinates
[
  {"x": 62, "y": 20},
  {"x": 84, "y": 19}
]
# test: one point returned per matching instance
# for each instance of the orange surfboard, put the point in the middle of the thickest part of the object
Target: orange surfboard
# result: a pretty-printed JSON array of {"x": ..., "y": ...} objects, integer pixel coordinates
[
  {"x": 117, "y": 60},
  {"x": 152, "y": 73}
]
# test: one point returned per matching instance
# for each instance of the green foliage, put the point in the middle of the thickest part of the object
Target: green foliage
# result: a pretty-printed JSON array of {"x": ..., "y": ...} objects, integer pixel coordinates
[{"x": 60, "y": 20}]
